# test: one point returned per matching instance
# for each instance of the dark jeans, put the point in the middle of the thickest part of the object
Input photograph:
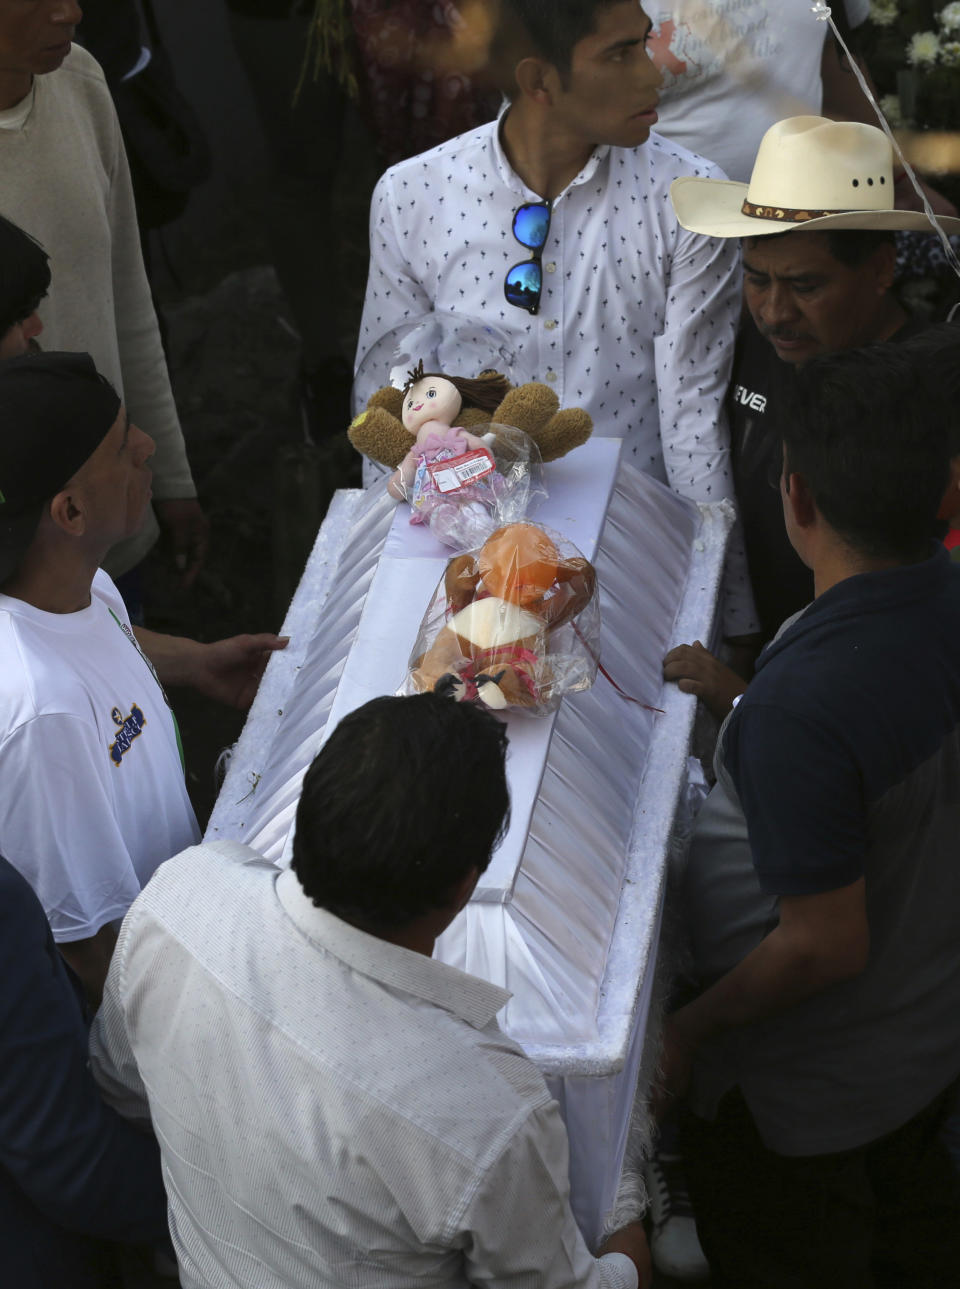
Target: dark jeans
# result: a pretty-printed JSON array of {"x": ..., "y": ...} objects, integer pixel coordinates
[{"x": 884, "y": 1216}]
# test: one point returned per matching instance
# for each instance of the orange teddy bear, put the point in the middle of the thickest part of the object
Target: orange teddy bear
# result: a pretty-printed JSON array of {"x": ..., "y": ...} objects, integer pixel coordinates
[{"x": 506, "y": 602}]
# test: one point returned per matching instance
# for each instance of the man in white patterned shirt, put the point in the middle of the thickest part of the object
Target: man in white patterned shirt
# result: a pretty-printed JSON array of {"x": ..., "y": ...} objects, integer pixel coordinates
[
  {"x": 334, "y": 1107},
  {"x": 609, "y": 300}
]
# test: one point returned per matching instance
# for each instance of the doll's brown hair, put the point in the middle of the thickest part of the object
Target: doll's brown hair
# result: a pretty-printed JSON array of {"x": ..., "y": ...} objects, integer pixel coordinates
[{"x": 485, "y": 392}]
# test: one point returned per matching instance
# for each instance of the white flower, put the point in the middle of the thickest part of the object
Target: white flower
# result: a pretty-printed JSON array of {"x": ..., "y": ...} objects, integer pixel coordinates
[
  {"x": 950, "y": 16},
  {"x": 891, "y": 109},
  {"x": 883, "y": 13},
  {"x": 923, "y": 49},
  {"x": 950, "y": 53}
]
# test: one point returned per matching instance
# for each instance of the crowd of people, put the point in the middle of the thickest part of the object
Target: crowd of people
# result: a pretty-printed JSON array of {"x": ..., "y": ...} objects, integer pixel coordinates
[{"x": 263, "y": 1075}]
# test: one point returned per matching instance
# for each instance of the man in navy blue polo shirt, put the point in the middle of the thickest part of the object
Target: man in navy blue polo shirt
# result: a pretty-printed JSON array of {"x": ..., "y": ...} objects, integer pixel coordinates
[{"x": 824, "y": 883}]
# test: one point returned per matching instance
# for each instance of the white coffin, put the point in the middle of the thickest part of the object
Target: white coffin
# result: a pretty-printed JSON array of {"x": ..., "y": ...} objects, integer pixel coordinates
[{"x": 567, "y": 915}]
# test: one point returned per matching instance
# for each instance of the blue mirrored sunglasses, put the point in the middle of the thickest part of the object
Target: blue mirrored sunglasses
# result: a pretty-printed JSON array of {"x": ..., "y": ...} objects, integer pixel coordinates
[{"x": 524, "y": 282}]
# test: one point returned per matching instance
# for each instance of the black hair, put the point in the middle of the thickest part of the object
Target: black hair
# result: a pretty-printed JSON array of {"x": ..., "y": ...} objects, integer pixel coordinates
[
  {"x": 869, "y": 429},
  {"x": 24, "y": 275},
  {"x": 936, "y": 349},
  {"x": 850, "y": 246},
  {"x": 406, "y": 797},
  {"x": 854, "y": 246},
  {"x": 553, "y": 27},
  {"x": 485, "y": 392}
]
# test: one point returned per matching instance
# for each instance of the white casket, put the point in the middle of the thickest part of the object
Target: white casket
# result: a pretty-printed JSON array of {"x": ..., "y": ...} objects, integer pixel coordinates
[{"x": 567, "y": 915}]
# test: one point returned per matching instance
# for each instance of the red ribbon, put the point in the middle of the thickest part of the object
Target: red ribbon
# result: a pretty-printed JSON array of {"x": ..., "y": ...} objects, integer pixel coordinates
[{"x": 627, "y": 698}]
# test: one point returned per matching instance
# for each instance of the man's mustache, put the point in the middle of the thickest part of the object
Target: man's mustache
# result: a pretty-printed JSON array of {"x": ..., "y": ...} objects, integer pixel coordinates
[{"x": 780, "y": 333}]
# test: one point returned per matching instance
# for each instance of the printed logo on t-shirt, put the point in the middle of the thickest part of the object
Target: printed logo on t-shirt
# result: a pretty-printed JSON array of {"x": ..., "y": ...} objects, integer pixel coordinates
[
  {"x": 756, "y": 402},
  {"x": 130, "y": 727},
  {"x": 667, "y": 47},
  {"x": 700, "y": 39}
]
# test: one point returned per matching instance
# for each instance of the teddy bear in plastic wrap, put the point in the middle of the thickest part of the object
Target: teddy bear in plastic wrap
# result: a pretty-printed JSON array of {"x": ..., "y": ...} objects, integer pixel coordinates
[{"x": 512, "y": 625}]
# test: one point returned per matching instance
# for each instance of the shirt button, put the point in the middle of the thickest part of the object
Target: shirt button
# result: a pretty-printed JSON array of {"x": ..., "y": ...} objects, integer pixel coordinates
[
  {"x": 550, "y": 324},
  {"x": 551, "y": 266},
  {"x": 551, "y": 375}
]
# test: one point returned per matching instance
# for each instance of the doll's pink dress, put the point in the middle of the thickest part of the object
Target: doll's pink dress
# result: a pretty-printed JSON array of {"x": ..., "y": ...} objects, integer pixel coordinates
[{"x": 462, "y": 518}]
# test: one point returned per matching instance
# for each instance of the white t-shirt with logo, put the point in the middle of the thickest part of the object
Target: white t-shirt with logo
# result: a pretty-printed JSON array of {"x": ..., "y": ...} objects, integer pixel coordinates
[
  {"x": 732, "y": 68},
  {"x": 92, "y": 794}
]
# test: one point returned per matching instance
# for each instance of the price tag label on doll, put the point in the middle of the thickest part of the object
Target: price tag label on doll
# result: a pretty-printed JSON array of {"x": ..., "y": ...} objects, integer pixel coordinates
[{"x": 457, "y": 472}]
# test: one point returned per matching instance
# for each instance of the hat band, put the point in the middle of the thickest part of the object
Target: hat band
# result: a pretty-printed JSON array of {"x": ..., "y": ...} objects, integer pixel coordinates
[{"x": 784, "y": 214}]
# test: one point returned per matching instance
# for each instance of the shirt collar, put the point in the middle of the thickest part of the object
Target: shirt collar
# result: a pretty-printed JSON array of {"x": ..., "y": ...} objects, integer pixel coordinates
[
  {"x": 473, "y": 1000},
  {"x": 864, "y": 593},
  {"x": 15, "y": 118},
  {"x": 510, "y": 178}
]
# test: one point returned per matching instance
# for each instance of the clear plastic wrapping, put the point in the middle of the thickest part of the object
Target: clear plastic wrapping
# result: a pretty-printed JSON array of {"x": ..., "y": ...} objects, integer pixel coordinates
[
  {"x": 513, "y": 624},
  {"x": 465, "y": 486}
]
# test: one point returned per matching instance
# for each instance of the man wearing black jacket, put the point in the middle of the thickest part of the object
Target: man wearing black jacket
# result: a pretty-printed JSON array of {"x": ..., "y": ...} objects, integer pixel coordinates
[{"x": 817, "y": 226}]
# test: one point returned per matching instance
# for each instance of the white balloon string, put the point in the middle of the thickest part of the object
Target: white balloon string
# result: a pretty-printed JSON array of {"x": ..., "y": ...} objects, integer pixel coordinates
[{"x": 822, "y": 12}]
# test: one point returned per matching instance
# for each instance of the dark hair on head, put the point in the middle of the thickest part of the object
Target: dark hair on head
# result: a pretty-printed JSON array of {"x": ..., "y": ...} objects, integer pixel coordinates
[
  {"x": 936, "y": 351},
  {"x": 850, "y": 246},
  {"x": 868, "y": 429},
  {"x": 24, "y": 275},
  {"x": 405, "y": 798},
  {"x": 854, "y": 246},
  {"x": 551, "y": 27},
  {"x": 487, "y": 391}
]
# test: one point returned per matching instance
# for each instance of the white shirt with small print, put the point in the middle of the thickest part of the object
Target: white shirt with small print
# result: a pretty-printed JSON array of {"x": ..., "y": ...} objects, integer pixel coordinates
[{"x": 637, "y": 316}]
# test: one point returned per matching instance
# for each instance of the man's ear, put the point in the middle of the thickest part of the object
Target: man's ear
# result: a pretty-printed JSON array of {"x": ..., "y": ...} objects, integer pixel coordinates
[
  {"x": 67, "y": 513},
  {"x": 885, "y": 265},
  {"x": 950, "y": 504},
  {"x": 537, "y": 80},
  {"x": 798, "y": 498},
  {"x": 461, "y": 892}
]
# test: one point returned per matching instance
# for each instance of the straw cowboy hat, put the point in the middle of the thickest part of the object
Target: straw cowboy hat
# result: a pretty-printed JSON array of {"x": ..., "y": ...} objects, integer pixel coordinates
[{"x": 810, "y": 173}]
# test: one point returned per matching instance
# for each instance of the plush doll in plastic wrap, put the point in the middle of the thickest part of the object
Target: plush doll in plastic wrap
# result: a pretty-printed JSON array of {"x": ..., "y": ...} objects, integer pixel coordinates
[
  {"x": 462, "y": 485},
  {"x": 514, "y": 624},
  {"x": 380, "y": 432}
]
